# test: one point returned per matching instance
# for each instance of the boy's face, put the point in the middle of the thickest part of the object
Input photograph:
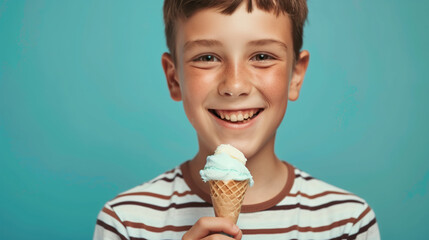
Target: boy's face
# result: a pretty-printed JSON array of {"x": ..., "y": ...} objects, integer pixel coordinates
[{"x": 235, "y": 74}]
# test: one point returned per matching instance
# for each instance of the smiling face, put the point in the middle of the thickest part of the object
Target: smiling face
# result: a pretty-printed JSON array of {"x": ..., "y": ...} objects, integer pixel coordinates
[{"x": 235, "y": 74}]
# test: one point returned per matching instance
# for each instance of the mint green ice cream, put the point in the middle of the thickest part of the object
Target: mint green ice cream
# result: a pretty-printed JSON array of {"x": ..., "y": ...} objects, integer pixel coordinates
[{"x": 228, "y": 163}]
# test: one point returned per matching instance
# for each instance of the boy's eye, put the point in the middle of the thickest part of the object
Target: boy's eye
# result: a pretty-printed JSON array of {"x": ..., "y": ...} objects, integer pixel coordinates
[
  {"x": 207, "y": 58},
  {"x": 261, "y": 57}
]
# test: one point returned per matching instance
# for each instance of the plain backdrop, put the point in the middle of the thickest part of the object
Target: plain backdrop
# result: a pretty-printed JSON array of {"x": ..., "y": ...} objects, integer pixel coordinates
[{"x": 85, "y": 112}]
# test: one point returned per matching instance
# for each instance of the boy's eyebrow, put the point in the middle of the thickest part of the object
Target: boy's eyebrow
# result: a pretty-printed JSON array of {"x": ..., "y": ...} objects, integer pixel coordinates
[
  {"x": 202, "y": 42},
  {"x": 211, "y": 43},
  {"x": 267, "y": 41}
]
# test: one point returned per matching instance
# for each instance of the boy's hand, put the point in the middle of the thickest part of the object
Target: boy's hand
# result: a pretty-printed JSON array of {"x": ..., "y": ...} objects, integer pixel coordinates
[{"x": 213, "y": 228}]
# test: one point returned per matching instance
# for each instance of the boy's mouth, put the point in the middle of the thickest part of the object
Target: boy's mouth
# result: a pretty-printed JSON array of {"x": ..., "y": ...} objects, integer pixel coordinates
[{"x": 236, "y": 116}]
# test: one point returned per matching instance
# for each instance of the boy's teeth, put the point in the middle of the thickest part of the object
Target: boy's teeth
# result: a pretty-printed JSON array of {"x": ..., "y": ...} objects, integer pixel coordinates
[{"x": 236, "y": 116}]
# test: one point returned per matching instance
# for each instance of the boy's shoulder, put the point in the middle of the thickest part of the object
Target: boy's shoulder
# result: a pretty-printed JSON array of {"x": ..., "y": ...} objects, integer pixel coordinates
[
  {"x": 163, "y": 187},
  {"x": 147, "y": 209},
  {"x": 315, "y": 189},
  {"x": 325, "y": 200}
]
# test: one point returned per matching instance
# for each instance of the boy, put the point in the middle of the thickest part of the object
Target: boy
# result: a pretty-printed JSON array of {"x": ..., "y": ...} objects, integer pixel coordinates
[{"x": 235, "y": 65}]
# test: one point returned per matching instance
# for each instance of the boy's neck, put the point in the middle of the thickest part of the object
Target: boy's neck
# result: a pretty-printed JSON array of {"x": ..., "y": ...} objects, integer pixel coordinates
[{"x": 269, "y": 173}]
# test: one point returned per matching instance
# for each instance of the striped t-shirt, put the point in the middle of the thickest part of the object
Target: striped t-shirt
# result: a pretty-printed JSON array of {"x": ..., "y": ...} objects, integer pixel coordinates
[{"x": 306, "y": 208}]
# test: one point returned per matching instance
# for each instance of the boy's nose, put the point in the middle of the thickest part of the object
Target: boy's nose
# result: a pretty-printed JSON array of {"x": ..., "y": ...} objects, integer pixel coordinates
[{"x": 235, "y": 83}]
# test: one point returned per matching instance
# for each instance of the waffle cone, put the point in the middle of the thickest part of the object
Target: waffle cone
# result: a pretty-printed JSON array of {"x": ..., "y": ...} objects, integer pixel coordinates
[{"x": 227, "y": 197}]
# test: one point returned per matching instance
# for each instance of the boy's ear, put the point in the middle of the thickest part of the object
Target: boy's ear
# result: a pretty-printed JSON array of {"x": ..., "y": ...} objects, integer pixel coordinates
[
  {"x": 298, "y": 75},
  {"x": 171, "y": 76}
]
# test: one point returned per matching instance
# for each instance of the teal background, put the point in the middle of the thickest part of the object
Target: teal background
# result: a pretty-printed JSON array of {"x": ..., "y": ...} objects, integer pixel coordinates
[{"x": 85, "y": 113}]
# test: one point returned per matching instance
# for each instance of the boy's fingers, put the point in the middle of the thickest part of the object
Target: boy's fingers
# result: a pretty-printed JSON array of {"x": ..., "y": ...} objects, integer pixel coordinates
[
  {"x": 206, "y": 226},
  {"x": 239, "y": 235},
  {"x": 221, "y": 236}
]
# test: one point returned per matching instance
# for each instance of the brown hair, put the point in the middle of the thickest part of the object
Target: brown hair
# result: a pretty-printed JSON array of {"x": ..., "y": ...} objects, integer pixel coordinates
[{"x": 183, "y": 9}]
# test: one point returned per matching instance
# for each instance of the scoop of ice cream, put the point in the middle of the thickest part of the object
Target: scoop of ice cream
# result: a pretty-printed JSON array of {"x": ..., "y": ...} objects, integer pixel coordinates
[
  {"x": 227, "y": 163},
  {"x": 232, "y": 152}
]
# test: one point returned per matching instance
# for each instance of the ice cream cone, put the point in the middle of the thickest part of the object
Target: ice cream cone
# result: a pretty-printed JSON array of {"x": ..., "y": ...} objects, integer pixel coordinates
[{"x": 227, "y": 197}]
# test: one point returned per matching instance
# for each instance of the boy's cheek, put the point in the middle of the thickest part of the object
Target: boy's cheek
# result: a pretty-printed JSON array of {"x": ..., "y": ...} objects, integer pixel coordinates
[
  {"x": 273, "y": 84},
  {"x": 198, "y": 81}
]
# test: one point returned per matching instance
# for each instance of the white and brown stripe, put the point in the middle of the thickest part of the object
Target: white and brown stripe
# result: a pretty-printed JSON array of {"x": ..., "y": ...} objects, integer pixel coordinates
[{"x": 306, "y": 208}]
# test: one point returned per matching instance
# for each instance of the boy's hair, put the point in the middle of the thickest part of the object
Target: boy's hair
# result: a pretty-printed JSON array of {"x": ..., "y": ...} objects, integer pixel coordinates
[{"x": 182, "y": 9}]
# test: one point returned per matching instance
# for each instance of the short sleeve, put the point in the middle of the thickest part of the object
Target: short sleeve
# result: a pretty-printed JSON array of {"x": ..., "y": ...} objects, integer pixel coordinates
[
  {"x": 365, "y": 227},
  {"x": 109, "y": 226}
]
